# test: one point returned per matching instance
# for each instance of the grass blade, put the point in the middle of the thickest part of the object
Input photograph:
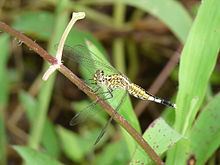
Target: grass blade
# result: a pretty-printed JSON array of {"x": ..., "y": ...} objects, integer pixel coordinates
[
  {"x": 4, "y": 94},
  {"x": 205, "y": 132}
]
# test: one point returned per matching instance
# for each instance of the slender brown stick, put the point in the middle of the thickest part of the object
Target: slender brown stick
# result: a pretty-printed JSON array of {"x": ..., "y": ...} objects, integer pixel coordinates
[{"x": 82, "y": 86}]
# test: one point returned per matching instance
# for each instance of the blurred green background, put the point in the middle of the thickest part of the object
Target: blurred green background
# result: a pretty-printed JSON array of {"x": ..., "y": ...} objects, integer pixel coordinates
[{"x": 168, "y": 47}]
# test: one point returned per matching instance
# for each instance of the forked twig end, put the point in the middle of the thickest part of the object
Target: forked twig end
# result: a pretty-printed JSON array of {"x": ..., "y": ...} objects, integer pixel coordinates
[{"x": 59, "y": 53}]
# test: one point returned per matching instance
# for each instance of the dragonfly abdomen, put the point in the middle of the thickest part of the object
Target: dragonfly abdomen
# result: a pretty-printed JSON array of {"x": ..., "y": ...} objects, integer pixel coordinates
[
  {"x": 141, "y": 93},
  {"x": 138, "y": 92}
]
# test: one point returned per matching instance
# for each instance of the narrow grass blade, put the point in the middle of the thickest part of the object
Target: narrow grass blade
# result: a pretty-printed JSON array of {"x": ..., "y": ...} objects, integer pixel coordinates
[
  {"x": 205, "y": 134},
  {"x": 4, "y": 94}
]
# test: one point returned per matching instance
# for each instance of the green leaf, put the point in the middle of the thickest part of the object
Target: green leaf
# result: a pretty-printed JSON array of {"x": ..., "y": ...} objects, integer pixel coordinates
[
  {"x": 29, "y": 104},
  {"x": 38, "y": 24},
  {"x": 77, "y": 36},
  {"x": 49, "y": 136},
  {"x": 170, "y": 12},
  {"x": 33, "y": 157},
  {"x": 4, "y": 81},
  {"x": 50, "y": 140},
  {"x": 4, "y": 94},
  {"x": 205, "y": 134},
  {"x": 113, "y": 153},
  {"x": 160, "y": 136},
  {"x": 75, "y": 146}
]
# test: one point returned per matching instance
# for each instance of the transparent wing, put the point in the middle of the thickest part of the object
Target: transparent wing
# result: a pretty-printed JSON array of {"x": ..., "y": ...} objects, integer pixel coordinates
[
  {"x": 90, "y": 110},
  {"x": 81, "y": 116},
  {"x": 82, "y": 55}
]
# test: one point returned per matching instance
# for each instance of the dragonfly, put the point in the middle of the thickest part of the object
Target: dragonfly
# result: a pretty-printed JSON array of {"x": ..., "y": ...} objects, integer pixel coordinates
[{"x": 104, "y": 75}]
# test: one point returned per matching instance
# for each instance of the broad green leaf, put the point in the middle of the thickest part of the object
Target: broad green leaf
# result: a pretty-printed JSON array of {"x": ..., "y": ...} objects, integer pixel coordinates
[
  {"x": 160, "y": 136},
  {"x": 197, "y": 62},
  {"x": 77, "y": 36},
  {"x": 113, "y": 153},
  {"x": 49, "y": 137},
  {"x": 75, "y": 146},
  {"x": 205, "y": 134},
  {"x": 50, "y": 140},
  {"x": 29, "y": 104},
  {"x": 170, "y": 12},
  {"x": 33, "y": 157},
  {"x": 38, "y": 24}
]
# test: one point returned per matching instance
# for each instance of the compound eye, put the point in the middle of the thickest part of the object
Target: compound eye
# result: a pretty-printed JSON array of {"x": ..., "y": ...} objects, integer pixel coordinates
[{"x": 98, "y": 72}]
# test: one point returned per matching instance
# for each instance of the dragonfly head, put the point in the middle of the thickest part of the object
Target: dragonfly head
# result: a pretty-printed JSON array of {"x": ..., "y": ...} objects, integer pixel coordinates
[{"x": 99, "y": 77}]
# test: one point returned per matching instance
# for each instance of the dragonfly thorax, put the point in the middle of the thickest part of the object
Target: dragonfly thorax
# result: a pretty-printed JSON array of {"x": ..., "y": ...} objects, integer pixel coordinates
[{"x": 114, "y": 81}]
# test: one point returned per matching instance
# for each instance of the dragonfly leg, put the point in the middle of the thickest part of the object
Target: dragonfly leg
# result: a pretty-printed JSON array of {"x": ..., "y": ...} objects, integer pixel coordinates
[
  {"x": 97, "y": 89},
  {"x": 107, "y": 94},
  {"x": 103, "y": 131},
  {"x": 110, "y": 120}
]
